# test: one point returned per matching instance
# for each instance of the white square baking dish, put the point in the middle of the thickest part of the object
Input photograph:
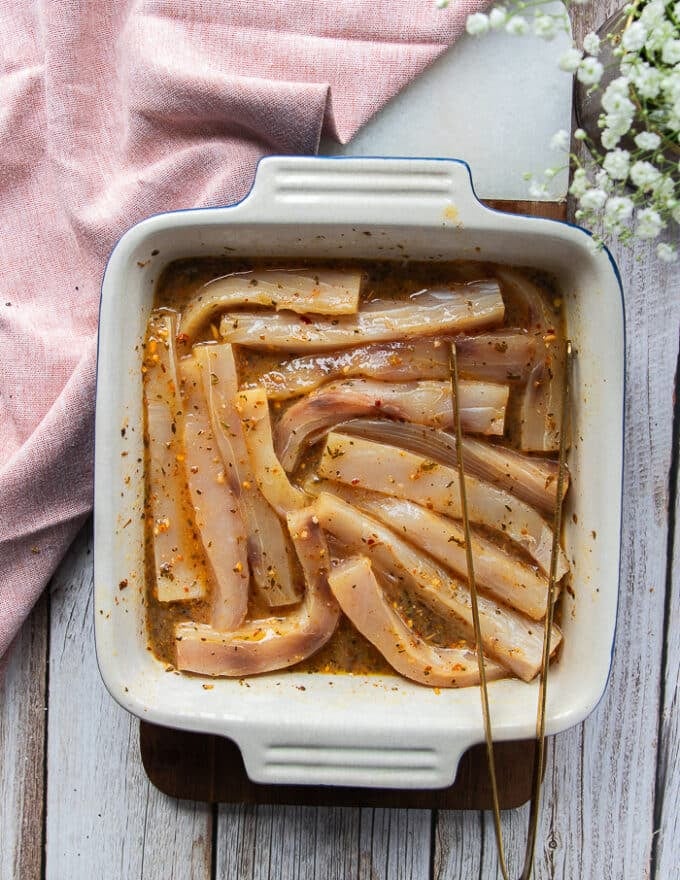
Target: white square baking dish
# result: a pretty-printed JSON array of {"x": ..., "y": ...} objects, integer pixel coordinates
[{"x": 340, "y": 729}]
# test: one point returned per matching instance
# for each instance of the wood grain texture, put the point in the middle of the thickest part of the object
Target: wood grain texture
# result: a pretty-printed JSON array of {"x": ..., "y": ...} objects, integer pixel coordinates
[
  {"x": 395, "y": 844},
  {"x": 620, "y": 745},
  {"x": 620, "y": 738},
  {"x": 465, "y": 846},
  {"x": 104, "y": 819},
  {"x": 666, "y": 858},
  {"x": 22, "y": 742},
  {"x": 551, "y": 210},
  {"x": 328, "y": 843}
]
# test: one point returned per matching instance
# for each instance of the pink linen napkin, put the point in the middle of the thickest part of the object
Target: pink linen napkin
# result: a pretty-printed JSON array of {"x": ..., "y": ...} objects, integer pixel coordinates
[{"x": 112, "y": 110}]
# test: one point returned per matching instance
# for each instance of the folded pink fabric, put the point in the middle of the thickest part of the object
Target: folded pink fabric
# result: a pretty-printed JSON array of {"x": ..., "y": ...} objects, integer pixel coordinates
[{"x": 116, "y": 109}]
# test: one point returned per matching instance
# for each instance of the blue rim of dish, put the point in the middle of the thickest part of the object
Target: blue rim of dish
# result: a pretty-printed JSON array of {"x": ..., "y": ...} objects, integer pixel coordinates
[{"x": 485, "y": 207}]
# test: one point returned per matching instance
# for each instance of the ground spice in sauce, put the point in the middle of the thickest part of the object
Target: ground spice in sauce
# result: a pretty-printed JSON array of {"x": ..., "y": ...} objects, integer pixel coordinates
[{"x": 348, "y": 650}]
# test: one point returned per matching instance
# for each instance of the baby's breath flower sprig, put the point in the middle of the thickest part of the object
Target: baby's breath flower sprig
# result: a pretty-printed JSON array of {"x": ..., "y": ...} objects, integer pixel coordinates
[{"x": 630, "y": 186}]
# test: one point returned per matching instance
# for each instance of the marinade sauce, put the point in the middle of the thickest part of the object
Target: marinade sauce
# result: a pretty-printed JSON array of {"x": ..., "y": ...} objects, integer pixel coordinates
[{"x": 388, "y": 282}]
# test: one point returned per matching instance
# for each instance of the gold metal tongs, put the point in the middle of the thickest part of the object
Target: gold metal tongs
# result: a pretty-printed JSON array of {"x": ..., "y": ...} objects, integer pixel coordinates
[{"x": 539, "y": 753}]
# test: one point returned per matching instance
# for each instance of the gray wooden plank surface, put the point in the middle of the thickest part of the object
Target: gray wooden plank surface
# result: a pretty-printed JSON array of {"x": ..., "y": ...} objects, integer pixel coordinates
[
  {"x": 395, "y": 844},
  {"x": 465, "y": 843},
  {"x": 104, "y": 819},
  {"x": 667, "y": 808},
  {"x": 620, "y": 738},
  {"x": 22, "y": 740},
  {"x": 305, "y": 843},
  {"x": 620, "y": 803}
]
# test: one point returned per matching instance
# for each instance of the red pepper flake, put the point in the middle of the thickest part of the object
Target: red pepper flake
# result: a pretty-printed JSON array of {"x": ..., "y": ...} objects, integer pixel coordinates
[
  {"x": 355, "y": 481},
  {"x": 378, "y": 402},
  {"x": 123, "y": 584}
]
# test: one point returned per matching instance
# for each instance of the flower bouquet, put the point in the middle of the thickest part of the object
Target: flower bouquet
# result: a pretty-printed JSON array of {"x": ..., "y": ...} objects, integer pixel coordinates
[{"x": 627, "y": 185}]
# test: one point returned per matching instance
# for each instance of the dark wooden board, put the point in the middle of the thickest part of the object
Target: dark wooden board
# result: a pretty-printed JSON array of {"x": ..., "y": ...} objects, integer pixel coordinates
[
  {"x": 203, "y": 767},
  {"x": 549, "y": 210},
  {"x": 210, "y": 768}
]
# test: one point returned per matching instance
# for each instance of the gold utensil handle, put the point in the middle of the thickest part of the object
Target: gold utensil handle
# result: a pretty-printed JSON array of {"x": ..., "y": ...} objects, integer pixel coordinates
[{"x": 539, "y": 755}]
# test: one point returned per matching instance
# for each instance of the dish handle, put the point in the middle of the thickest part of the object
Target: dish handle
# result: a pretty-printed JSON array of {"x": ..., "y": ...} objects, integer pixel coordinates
[
  {"x": 354, "y": 190},
  {"x": 419, "y": 760}
]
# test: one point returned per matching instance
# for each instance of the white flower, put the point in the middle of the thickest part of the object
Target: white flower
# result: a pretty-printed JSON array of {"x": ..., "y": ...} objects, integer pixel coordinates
[
  {"x": 652, "y": 14},
  {"x": 579, "y": 183},
  {"x": 609, "y": 139},
  {"x": 544, "y": 27},
  {"x": 649, "y": 223},
  {"x": 675, "y": 213},
  {"x": 580, "y": 134},
  {"x": 620, "y": 121},
  {"x": 517, "y": 26},
  {"x": 593, "y": 200},
  {"x": 538, "y": 190},
  {"x": 670, "y": 85},
  {"x": 646, "y": 79},
  {"x": 627, "y": 62},
  {"x": 615, "y": 96},
  {"x": 619, "y": 109},
  {"x": 674, "y": 111},
  {"x": 618, "y": 209},
  {"x": 659, "y": 36},
  {"x": 647, "y": 140},
  {"x": 616, "y": 164},
  {"x": 666, "y": 252},
  {"x": 644, "y": 175},
  {"x": 570, "y": 60},
  {"x": 664, "y": 190},
  {"x": 591, "y": 43},
  {"x": 560, "y": 141},
  {"x": 603, "y": 180},
  {"x": 670, "y": 54},
  {"x": 497, "y": 17},
  {"x": 476, "y": 24},
  {"x": 590, "y": 71},
  {"x": 617, "y": 88},
  {"x": 634, "y": 37}
]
